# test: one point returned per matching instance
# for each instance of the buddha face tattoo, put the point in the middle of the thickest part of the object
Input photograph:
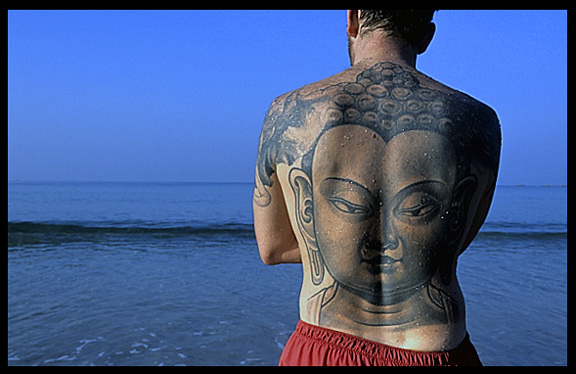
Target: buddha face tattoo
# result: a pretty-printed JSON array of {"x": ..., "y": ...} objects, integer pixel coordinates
[{"x": 382, "y": 191}]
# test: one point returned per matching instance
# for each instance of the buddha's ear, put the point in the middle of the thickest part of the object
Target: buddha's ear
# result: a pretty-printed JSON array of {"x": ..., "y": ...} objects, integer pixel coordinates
[
  {"x": 459, "y": 207},
  {"x": 302, "y": 187}
]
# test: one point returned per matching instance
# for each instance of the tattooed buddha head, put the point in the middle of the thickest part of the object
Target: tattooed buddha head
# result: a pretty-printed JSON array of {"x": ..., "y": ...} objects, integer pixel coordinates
[{"x": 382, "y": 191}]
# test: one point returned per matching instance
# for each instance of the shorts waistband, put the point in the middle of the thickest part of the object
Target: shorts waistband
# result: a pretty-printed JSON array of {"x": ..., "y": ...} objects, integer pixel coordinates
[{"x": 378, "y": 351}]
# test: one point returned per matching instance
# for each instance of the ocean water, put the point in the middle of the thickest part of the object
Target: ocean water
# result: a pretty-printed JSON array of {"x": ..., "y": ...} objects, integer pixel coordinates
[{"x": 169, "y": 274}]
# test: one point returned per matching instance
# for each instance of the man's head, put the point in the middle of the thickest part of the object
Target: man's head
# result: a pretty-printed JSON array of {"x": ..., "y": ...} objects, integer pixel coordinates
[
  {"x": 408, "y": 24},
  {"x": 413, "y": 28}
]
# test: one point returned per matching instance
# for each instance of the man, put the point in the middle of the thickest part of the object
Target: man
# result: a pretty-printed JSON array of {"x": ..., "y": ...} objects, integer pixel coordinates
[{"x": 376, "y": 179}]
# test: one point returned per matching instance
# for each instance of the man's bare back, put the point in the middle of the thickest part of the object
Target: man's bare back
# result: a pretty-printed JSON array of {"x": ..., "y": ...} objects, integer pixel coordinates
[{"x": 385, "y": 176}]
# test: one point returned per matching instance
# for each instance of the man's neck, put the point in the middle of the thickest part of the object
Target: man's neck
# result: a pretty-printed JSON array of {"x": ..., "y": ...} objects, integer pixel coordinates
[{"x": 376, "y": 46}]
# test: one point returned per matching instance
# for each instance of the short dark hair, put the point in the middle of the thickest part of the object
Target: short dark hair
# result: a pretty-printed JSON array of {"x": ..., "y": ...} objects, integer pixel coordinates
[{"x": 408, "y": 24}]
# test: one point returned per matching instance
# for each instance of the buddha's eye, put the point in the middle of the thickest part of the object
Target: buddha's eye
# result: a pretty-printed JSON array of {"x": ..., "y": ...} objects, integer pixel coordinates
[
  {"x": 418, "y": 210},
  {"x": 417, "y": 206},
  {"x": 348, "y": 207},
  {"x": 347, "y": 198}
]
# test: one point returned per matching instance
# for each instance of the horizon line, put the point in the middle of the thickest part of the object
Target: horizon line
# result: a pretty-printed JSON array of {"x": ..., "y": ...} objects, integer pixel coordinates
[{"x": 227, "y": 182}]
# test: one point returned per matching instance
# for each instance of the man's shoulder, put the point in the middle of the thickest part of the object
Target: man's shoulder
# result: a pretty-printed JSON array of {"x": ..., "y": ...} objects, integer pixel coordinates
[
  {"x": 473, "y": 120},
  {"x": 456, "y": 95},
  {"x": 319, "y": 86}
]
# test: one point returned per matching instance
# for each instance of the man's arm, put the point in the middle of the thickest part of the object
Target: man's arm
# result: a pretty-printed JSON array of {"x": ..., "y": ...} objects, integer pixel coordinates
[
  {"x": 485, "y": 168},
  {"x": 276, "y": 241}
]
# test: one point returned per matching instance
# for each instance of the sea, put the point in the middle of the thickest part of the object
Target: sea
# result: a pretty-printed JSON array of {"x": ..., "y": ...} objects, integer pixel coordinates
[{"x": 168, "y": 274}]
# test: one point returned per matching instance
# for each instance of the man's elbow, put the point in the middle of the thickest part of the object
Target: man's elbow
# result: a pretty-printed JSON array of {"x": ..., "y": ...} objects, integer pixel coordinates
[
  {"x": 286, "y": 254},
  {"x": 269, "y": 258}
]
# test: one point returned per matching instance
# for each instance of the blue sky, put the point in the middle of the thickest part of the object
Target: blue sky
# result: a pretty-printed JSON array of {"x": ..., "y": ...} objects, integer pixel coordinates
[{"x": 181, "y": 95}]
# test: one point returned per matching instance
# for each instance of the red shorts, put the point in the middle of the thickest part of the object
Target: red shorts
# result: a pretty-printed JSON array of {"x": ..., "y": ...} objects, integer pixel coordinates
[{"x": 316, "y": 346}]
